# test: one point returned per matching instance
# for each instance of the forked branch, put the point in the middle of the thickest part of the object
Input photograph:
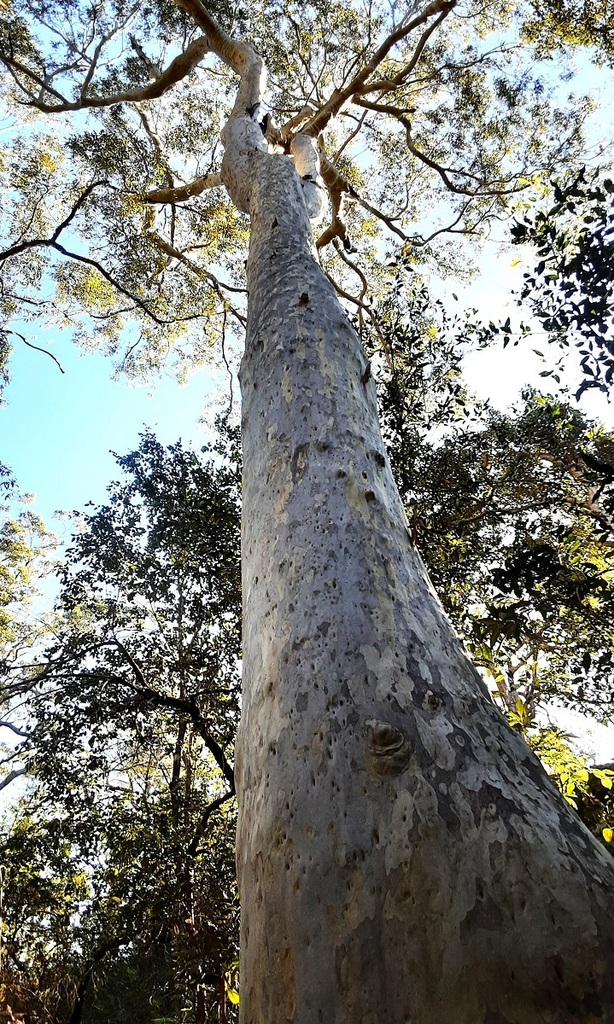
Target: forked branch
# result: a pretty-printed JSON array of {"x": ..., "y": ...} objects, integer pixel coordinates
[{"x": 358, "y": 83}]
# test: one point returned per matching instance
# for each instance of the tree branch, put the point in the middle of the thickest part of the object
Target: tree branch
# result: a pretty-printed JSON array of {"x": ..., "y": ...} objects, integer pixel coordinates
[
  {"x": 386, "y": 85},
  {"x": 443, "y": 172},
  {"x": 188, "y": 707},
  {"x": 108, "y": 277},
  {"x": 177, "y": 70},
  {"x": 363, "y": 307},
  {"x": 200, "y": 272},
  {"x": 202, "y": 825},
  {"x": 181, "y": 193},
  {"x": 11, "y": 777},
  {"x": 16, "y": 65},
  {"x": 337, "y": 186},
  {"x": 340, "y": 96},
  {"x": 22, "y": 246},
  {"x": 37, "y": 348},
  {"x": 14, "y": 728}
]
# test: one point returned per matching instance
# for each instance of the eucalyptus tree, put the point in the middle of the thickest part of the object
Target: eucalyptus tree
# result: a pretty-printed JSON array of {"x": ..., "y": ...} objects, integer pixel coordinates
[{"x": 401, "y": 854}]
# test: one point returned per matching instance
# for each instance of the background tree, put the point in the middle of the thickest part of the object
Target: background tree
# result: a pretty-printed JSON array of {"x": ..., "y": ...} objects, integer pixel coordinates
[
  {"x": 514, "y": 520},
  {"x": 27, "y": 551},
  {"x": 569, "y": 292},
  {"x": 119, "y": 890}
]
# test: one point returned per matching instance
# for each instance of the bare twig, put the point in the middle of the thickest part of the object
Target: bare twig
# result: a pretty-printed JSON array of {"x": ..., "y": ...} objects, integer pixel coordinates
[
  {"x": 30, "y": 344},
  {"x": 12, "y": 776},
  {"x": 351, "y": 136}
]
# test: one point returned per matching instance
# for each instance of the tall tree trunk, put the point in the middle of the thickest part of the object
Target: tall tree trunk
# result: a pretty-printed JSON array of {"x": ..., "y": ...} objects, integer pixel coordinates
[{"x": 402, "y": 856}]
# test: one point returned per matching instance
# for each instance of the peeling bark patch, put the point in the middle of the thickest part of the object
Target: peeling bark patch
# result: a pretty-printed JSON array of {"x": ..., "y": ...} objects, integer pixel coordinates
[
  {"x": 432, "y": 702},
  {"x": 285, "y": 967},
  {"x": 299, "y": 461}
]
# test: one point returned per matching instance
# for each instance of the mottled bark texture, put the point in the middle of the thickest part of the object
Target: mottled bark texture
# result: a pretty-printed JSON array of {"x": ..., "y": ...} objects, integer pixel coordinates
[{"x": 402, "y": 856}]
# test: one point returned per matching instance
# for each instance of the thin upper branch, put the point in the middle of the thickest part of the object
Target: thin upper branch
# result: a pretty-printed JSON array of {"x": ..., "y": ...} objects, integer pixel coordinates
[
  {"x": 14, "y": 728},
  {"x": 187, "y": 706},
  {"x": 204, "y": 820},
  {"x": 386, "y": 85},
  {"x": 177, "y": 70},
  {"x": 52, "y": 243},
  {"x": 45, "y": 352},
  {"x": 200, "y": 272},
  {"x": 12, "y": 776},
  {"x": 401, "y": 115},
  {"x": 14, "y": 250}
]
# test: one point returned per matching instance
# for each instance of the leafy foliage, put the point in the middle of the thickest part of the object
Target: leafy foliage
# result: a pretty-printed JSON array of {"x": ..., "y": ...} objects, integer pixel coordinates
[
  {"x": 560, "y": 25},
  {"x": 113, "y": 219},
  {"x": 588, "y": 789},
  {"x": 120, "y": 874},
  {"x": 514, "y": 515},
  {"x": 27, "y": 550},
  {"x": 571, "y": 289},
  {"x": 516, "y": 526}
]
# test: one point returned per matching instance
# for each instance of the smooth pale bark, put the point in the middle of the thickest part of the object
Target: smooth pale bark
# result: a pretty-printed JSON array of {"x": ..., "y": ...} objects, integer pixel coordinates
[{"x": 402, "y": 856}]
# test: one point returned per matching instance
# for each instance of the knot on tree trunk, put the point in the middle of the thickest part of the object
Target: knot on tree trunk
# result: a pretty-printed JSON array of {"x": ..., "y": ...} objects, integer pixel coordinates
[{"x": 388, "y": 752}]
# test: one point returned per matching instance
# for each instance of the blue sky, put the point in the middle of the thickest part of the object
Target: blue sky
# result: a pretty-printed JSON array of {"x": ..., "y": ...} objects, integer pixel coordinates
[{"x": 57, "y": 430}]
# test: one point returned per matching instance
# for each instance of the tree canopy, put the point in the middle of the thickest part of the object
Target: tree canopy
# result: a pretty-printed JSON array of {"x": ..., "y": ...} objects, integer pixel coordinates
[{"x": 430, "y": 125}]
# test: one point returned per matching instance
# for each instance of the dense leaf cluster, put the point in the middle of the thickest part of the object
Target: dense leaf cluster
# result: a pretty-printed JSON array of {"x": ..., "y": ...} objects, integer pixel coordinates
[
  {"x": 120, "y": 876},
  {"x": 571, "y": 289}
]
